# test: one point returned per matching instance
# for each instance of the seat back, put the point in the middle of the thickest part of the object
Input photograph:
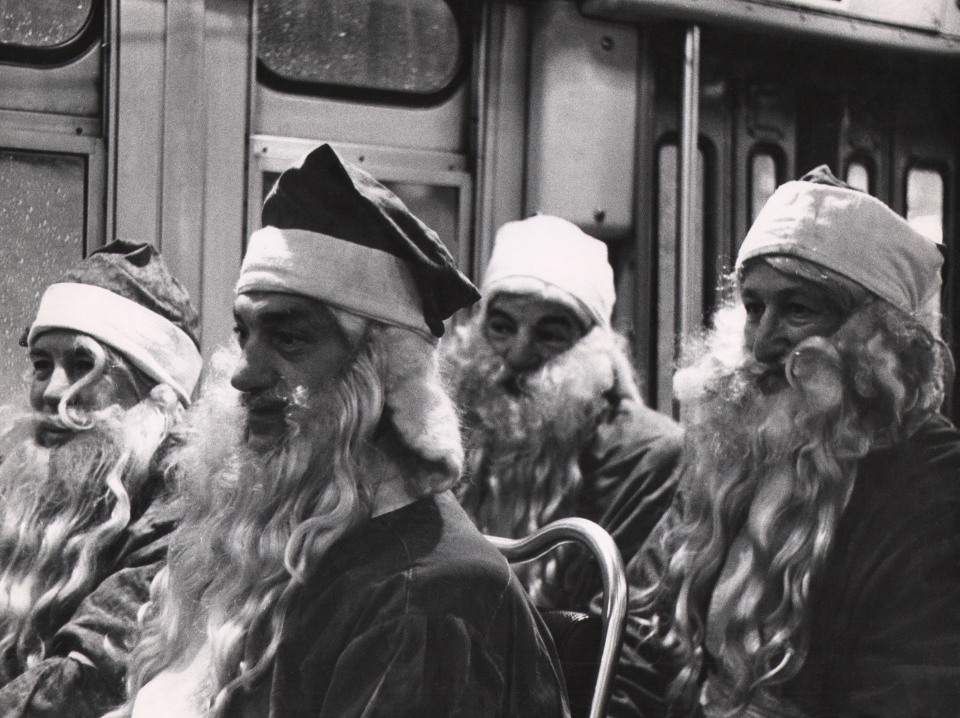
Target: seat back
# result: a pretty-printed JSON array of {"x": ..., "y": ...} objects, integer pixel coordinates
[
  {"x": 614, "y": 582},
  {"x": 579, "y": 640}
]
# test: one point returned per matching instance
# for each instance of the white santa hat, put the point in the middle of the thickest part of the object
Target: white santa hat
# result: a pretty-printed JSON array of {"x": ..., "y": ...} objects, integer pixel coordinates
[
  {"x": 124, "y": 296},
  {"x": 854, "y": 234},
  {"x": 553, "y": 259}
]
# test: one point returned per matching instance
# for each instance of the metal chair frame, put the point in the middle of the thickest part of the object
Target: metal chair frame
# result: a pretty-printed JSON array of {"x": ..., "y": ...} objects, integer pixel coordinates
[{"x": 612, "y": 575}]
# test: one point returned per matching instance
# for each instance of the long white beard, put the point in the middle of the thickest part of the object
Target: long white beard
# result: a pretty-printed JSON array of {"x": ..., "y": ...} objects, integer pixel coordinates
[
  {"x": 61, "y": 510},
  {"x": 255, "y": 524},
  {"x": 770, "y": 476},
  {"x": 525, "y": 436}
]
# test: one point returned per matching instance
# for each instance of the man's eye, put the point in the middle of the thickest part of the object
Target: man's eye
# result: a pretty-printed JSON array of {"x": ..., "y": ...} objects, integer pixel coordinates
[
  {"x": 241, "y": 334},
  {"x": 42, "y": 368},
  {"x": 288, "y": 340},
  {"x": 82, "y": 365},
  {"x": 553, "y": 338},
  {"x": 801, "y": 311},
  {"x": 499, "y": 328},
  {"x": 754, "y": 310}
]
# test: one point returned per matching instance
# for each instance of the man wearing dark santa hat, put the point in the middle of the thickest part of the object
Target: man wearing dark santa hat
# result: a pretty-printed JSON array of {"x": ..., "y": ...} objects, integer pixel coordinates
[
  {"x": 554, "y": 422},
  {"x": 811, "y": 565},
  {"x": 84, "y": 510},
  {"x": 323, "y": 567}
]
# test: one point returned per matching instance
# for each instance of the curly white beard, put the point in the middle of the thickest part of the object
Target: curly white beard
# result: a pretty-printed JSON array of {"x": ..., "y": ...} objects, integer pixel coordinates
[
  {"x": 525, "y": 434},
  {"x": 255, "y": 524},
  {"x": 771, "y": 474},
  {"x": 62, "y": 509}
]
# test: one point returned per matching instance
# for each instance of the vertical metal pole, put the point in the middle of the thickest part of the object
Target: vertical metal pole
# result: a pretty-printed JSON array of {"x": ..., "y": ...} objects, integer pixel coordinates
[
  {"x": 110, "y": 125},
  {"x": 690, "y": 284}
]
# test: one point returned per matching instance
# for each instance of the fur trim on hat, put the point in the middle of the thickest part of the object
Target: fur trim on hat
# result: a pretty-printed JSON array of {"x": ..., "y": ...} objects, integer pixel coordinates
[{"x": 418, "y": 407}]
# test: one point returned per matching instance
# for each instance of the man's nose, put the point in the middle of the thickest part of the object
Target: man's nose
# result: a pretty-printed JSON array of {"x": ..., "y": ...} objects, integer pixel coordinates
[
  {"x": 770, "y": 340},
  {"x": 255, "y": 371},
  {"x": 522, "y": 356},
  {"x": 56, "y": 388}
]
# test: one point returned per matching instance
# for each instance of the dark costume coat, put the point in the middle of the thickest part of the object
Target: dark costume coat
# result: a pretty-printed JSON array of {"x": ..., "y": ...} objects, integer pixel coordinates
[
  {"x": 84, "y": 672},
  {"x": 884, "y": 616},
  {"x": 412, "y": 613},
  {"x": 630, "y": 473}
]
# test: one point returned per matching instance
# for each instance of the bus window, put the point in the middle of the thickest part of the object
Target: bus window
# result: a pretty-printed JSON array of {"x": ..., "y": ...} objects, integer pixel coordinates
[
  {"x": 47, "y": 32},
  {"x": 42, "y": 215},
  {"x": 410, "y": 47},
  {"x": 925, "y": 202},
  {"x": 763, "y": 181},
  {"x": 858, "y": 176},
  {"x": 42, "y": 23}
]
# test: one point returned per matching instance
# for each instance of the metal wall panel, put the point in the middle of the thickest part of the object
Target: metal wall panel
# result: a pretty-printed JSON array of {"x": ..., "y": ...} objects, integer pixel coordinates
[{"x": 582, "y": 120}]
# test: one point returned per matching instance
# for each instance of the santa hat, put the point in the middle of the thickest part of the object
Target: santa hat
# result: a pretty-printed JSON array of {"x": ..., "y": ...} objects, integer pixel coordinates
[
  {"x": 124, "y": 296},
  {"x": 553, "y": 259},
  {"x": 332, "y": 232},
  {"x": 826, "y": 222}
]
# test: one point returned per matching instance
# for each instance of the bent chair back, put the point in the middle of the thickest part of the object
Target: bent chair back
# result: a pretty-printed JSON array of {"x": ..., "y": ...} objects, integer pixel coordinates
[{"x": 612, "y": 576}]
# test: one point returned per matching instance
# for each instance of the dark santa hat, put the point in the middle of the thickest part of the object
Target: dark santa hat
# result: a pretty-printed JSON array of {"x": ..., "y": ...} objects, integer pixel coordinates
[
  {"x": 332, "y": 232},
  {"x": 124, "y": 296}
]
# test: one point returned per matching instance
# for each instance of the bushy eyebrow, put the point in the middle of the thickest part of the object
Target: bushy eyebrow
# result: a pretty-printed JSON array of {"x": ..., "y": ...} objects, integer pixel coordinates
[
  {"x": 493, "y": 313},
  {"x": 70, "y": 352},
  {"x": 288, "y": 317},
  {"x": 559, "y": 323}
]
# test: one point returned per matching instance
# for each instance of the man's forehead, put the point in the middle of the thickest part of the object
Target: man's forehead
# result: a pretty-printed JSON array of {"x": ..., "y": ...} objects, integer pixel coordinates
[
  {"x": 530, "y": 307},
  {"x": 57, "y": 339},
  {"x": 761, "y": 278}
]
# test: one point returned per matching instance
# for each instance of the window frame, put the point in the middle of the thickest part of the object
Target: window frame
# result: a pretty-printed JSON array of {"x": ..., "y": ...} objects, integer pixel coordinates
[
  {"x": 777, "y": 155},
  {"x": 867, "y": 162},
  {"x": 65, "y": 136},
  {"x": 441, "y": 169}
]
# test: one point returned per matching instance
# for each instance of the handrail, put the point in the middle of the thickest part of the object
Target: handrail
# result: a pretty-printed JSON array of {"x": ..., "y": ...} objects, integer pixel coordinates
[{"x": 613, "y": 578}]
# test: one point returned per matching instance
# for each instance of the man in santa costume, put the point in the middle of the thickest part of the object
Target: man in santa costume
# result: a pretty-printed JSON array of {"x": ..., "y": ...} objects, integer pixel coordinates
[
  {"x": 811, "y": 564},
  {"x": 84, "y": 504},
  {"x": 323, "y": 567},
  {"x": 554, "y": 422}
]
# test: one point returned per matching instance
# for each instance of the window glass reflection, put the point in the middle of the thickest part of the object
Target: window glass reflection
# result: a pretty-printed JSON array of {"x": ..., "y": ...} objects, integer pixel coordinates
[
  {"x": 925, "y": 202},
  {"x": 42, "y": 23},
  {"x": 858, "y": 176},
  {"x": 394, "y": 45},
  {"x": 763, "y": 181},
  {"x": 42, "y": 216}
]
